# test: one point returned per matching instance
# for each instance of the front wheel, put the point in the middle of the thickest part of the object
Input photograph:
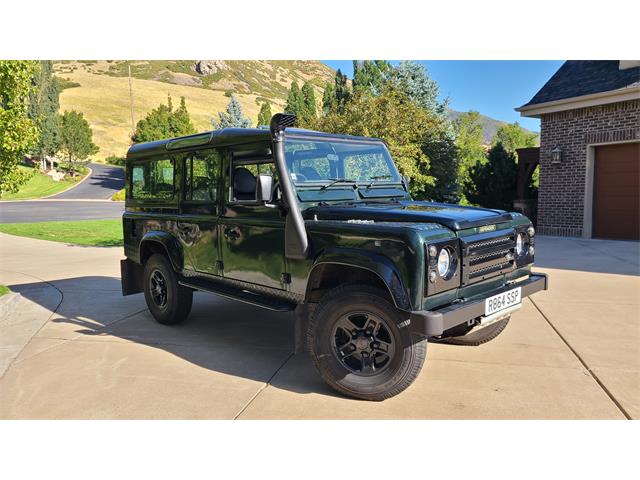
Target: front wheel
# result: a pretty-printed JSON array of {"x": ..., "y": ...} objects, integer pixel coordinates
[
  {"x": 168, "y": 302},
  {"x": 361, "y": 345}
]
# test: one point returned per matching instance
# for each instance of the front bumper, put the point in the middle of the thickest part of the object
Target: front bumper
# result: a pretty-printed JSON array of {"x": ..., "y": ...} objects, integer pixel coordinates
[{"x": 435, "y": 322}]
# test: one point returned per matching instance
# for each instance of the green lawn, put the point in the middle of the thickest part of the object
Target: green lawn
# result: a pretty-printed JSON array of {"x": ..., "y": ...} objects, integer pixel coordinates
[
  {"x": 3, "y": 290},
  {"x": 97, "y": 233},
  {"x": 38, "y": 186}
]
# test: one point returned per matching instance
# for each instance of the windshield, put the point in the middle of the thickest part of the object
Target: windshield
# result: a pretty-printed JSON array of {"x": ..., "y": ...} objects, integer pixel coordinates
[{"x": 338, "y": 162}]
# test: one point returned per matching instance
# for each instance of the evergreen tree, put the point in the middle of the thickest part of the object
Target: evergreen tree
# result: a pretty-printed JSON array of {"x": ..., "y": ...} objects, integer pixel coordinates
[
  {"x": 163, "y": 122},
  {"x": 492, "y": 183},
  {"x": 294, "y": 100},
  {"x": 413, "y": 79},
  {"x": 370, "y": 75},
  {"x": 343, "y": 93},
  {"x": 180, "y": 121},
  {"x": 76, "y": 139},
  {"x": 309, "y": 108},
  {"x": 233, "y": 116},
  {"x": 18, "y": 133},
  {"x": 44, "y": 104},
  {"x": 439, "y": 146},
  {"x": 328, "y": 98},
  {"x": 264, "y": 116}
]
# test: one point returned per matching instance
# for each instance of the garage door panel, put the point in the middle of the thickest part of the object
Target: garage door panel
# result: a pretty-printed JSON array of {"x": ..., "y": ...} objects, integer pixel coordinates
[{"x": 616, "y": 192}]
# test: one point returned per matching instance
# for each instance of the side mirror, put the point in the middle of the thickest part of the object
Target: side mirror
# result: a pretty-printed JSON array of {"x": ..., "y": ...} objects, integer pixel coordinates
[{"x": 264, "y": 187}]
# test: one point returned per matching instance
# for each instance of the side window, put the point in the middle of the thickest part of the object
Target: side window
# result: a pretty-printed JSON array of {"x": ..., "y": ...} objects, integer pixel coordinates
[
  {"x": 202, "y": 170},
  {"x": 244, "y": 175},
  {"x": 152, "y": 180}
]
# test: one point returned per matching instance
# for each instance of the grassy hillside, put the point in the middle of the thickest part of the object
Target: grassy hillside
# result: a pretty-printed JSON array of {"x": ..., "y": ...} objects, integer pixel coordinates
[{"x": 100, "y": 90}]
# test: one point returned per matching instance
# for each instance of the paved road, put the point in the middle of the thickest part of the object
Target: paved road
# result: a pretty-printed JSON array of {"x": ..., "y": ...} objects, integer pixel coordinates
[
  {"x": 58, "y": 210},
  {"x": 570, "y": 352},
  {"x": 74, "y": 204},
  {"x": 101, "y": 185}
]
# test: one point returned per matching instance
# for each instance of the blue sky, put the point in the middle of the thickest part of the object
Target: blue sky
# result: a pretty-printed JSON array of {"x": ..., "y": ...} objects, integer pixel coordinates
[{"x": 492, "y": 87}]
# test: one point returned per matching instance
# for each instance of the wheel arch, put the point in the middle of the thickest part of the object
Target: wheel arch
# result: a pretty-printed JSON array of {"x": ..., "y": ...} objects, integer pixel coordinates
[
  {"x": 163, "y": 243},
  {"x": 339, "y": 266}
]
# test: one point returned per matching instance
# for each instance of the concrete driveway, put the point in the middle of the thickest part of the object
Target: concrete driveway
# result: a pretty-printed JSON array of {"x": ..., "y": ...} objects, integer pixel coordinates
[{"x": 77, "y": 349}]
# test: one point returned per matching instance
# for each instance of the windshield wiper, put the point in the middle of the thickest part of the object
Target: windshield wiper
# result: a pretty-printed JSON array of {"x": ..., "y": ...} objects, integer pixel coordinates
[
  {"x": 377, "y": 177},
  {"x": 337, "y": 180}
]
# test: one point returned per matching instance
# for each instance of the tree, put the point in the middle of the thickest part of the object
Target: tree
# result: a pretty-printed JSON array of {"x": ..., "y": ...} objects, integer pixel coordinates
[
  {"x": 294, "y": 100},
  {"x": 162, "y": 122},
  {"x": 18, "y": 132},
  {"x": 371, "y": 75},
  {"x": 413, "y": 79},
  {"x": 44, "y": 103},
  {"x": 329, "y": 98},
  {"x": 180, "y": 122},
  {"x": 439, "y": 146},
  {"x": 342, "y": 91},
  {"x": 76, "y": 139},
  {"x": 233, "y": 116},
  {"x": 492, "y": 183},
  {"x": 395, "y": 119},
  {"x": 512, "y": 136},
  {"x": 308, "y": 113},
  {"x": 264, "y": 116},
  {"x": 468, "y": 140}
]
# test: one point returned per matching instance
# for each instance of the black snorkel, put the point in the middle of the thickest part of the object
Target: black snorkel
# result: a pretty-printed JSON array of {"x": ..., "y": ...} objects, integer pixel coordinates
[{"x": 296, "y": 243}]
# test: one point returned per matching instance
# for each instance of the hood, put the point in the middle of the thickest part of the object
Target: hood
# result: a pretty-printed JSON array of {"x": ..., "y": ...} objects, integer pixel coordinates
[{"x": 454, "y": 217}]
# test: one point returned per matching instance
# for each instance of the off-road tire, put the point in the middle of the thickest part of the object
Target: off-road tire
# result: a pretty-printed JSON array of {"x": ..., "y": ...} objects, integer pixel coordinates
[
  {"x": 456, "y": 335},
  {"x": 403, "y": 366},
  {"x": 179, "y": 299}
]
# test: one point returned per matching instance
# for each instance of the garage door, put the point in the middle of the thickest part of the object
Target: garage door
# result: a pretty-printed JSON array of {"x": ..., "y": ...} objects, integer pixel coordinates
[{"x": 616, "y": 200}]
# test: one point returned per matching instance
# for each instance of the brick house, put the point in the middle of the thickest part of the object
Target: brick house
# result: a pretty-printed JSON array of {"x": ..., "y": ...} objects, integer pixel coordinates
[{"x": 589, "y": 150}]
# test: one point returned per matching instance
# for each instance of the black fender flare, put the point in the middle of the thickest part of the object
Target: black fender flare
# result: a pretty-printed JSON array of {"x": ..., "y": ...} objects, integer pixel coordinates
[
  {"x": 168, "y": 242},
  {"x": 379, "y": 265}
]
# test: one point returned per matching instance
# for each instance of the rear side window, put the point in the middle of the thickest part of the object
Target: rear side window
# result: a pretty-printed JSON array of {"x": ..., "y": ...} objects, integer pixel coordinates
[
  {"x": 153, "y": 180},
  {"x": 202, "y": 171}
]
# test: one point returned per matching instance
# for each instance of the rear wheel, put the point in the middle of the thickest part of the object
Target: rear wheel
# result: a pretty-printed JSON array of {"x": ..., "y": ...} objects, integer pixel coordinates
[
  {"x": 361, "y": 345},
  {"x": 473, "y": 336},
  {"x": 168, "y": 302}
]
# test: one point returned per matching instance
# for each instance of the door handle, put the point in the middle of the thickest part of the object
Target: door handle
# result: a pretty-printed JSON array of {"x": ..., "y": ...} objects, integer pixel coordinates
[{"x": 231, "y": 233}]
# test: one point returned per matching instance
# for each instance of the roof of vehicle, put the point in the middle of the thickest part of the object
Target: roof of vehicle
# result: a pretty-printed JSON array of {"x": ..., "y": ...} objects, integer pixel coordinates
[{"x": 225, "y": 136}]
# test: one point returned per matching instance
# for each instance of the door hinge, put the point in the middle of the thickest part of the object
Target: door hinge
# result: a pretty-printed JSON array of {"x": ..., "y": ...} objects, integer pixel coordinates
[{"x": 285, "y": 278}]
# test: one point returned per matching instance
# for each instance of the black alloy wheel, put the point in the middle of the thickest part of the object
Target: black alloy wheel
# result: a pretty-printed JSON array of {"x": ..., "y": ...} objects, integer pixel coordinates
[{"x": 363, "y": 343}]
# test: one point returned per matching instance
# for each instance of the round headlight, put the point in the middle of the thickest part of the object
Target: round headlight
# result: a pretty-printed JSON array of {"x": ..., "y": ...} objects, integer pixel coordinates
[
  {"x": 520, "y": 241},
  {"x": 444, "y": 262}
]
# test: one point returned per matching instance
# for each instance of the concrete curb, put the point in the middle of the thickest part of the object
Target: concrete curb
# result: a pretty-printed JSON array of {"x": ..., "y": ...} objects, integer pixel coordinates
[{"x": 8, "y": 304}]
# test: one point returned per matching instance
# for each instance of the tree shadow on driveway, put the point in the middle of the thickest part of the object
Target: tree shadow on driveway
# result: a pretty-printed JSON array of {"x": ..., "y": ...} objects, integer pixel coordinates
[{"x": 220, "y": 335}]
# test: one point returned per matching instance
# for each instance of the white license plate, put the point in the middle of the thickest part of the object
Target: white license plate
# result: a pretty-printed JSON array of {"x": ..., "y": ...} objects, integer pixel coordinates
[{"x": 502, "y": 300}]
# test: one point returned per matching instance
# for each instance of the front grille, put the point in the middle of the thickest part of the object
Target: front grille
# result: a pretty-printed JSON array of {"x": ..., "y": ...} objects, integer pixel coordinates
[{"x": 487, "y": 255}]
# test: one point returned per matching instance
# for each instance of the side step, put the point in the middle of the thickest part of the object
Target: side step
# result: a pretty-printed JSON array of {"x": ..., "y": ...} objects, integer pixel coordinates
[{"x": 245, "y": 296}]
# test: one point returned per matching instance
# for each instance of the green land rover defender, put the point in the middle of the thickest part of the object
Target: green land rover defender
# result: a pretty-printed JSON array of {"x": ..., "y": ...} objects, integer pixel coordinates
[{"x": 324, "y": 226}]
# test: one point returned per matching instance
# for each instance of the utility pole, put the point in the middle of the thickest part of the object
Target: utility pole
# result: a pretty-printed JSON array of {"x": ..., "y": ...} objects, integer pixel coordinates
[{"x": 133, "y": 124}]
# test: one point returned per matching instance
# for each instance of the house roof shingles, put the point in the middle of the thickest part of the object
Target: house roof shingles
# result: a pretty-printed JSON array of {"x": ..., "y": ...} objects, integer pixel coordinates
[{"x": 576, "y": 78}]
